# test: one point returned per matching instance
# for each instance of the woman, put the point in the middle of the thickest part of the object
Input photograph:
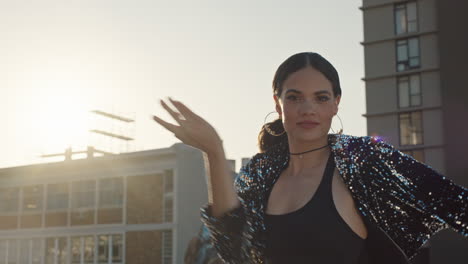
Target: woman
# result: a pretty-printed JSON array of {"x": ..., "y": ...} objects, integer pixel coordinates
[{"x": 314, "y": 197}]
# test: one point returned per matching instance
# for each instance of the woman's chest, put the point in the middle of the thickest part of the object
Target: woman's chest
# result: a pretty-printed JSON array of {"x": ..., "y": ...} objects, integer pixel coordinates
[{"x": 316, "y": 197}]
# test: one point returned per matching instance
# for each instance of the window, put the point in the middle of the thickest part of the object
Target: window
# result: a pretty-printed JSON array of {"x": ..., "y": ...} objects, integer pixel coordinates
[
  {"x": 57, "y": 196},
  {"x": 409, "y": 91},
  {"x": 168, "y": 209},
  {"x": 411, "y": 132},
  {"x": 111, "y": 192},
  {"x": 416, "y": 154},
  {"x": 407, "y": 54},
  {"x": 406, "y": 18},
  {"x": 110, "y": 247},
  {"x": 168, "y": 201},
  {"x": 3, "y": 251},
  {"x": 32, "y": 198},
  {"x": 167, "y": 247},
  {"x": 117, "y": 249},
  {"x": 21, "y": 251},
  {"x": 56, "y": 248},
  {"x": 37, "y": 250},
  {"x": 9, "y": 200},
  {"x": 103, "y": 249},
  {"x": 24, "y": 251},
  {"x": 169, "y": 181},
  {"x": 12, "y": 252},
  {"x": 9, "y": 252},
  {"x": 88, "y": 250},
  {"x": 76, "y": 250},
  {"x": 83, "y": 194},
  {"x": 82, "y": 249}
]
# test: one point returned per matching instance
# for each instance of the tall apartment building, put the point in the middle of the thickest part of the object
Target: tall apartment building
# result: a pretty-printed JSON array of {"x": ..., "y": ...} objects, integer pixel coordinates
[
  {"x": 416, "y": 91},
  {"x": 141, "y": 207}
]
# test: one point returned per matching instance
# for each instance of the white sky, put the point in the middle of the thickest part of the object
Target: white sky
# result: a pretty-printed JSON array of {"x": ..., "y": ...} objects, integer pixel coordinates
[{"x": 59, "y": 58}]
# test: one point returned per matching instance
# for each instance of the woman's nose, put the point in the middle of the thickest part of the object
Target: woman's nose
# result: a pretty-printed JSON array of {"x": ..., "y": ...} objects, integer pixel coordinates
[{"x": 308, "y": 107}]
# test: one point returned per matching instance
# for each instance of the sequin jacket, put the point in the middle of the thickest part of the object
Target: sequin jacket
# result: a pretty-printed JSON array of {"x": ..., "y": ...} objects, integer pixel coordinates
[{"x": 402, "y": 201}]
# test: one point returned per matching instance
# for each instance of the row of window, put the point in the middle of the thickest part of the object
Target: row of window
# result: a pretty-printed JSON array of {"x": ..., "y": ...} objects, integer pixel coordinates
[
  {"x": 408, "y": 55},
  {"x": 407, "y": 50},
  {"x": 406, "y": 21},
  {"x": 91, "y": 249},
  {"x": 74, "y": 195},
  {"x": 408, "y": 87},
  {"x": 82, "y": 194}
]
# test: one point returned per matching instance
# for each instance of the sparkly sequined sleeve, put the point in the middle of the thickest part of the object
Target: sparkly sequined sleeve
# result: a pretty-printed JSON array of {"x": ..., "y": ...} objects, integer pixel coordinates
[
  {"x": 437, "y": 195},
  {"x": 226, "y": 231}
]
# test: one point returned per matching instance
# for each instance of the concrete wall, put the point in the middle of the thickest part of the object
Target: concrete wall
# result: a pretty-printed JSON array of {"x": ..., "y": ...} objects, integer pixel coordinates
[{"x": 191, "y": 195}]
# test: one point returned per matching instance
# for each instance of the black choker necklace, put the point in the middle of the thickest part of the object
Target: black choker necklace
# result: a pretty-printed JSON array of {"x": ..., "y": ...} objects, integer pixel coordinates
[{"x": 300, "y": 153}]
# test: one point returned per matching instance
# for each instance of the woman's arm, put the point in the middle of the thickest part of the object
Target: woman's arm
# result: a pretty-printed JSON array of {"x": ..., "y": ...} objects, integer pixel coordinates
[
  {"x": 227, "y": 229},
  {"x": 435, "y": 193},
  {"x": 221, "y": 194},
  {"x": 195, "y": 131},
  {"x": 223, "y": 215}
]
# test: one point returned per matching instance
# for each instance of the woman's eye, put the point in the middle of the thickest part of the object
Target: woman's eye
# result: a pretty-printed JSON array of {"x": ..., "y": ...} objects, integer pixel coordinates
[{"x": 297, "y": 98}]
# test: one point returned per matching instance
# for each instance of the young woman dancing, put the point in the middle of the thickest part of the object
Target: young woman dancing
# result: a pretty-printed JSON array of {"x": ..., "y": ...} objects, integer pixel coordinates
[{"x": 311, "y": 196}]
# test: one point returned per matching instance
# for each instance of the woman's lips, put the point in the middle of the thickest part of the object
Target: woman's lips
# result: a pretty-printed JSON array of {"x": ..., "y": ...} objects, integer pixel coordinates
[{"x": 307, "y": 124}]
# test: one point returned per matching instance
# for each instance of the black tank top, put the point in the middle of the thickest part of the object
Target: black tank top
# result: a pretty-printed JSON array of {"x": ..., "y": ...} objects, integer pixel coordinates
[{"x": 315, "y": 233}]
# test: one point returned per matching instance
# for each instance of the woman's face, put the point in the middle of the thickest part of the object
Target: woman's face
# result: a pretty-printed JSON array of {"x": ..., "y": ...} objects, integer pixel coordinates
[{"x": 307, "y": 105}]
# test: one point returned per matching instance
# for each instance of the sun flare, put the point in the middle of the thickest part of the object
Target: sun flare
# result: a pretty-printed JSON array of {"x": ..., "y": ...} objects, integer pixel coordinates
[
  {"x": 62, "y": 125},
  {"x": 61, "y": 121}
]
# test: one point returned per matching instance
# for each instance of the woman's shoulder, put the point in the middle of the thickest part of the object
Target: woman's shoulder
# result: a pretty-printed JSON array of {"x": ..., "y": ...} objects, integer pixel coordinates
[
  {"x": 250, "y": 170},
  {"x": 358, "y": 143},
  {"x": 253, "y": 172},
  {"x": 365, "y": 150}
]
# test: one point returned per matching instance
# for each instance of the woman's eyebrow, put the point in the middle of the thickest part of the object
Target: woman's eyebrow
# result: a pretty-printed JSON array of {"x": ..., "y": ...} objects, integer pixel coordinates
[{"x": 297, "y": 91}]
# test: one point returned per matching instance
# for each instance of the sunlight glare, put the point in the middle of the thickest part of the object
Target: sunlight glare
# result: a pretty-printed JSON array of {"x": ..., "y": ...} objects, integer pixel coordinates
[{"x": 62, "y": 120}]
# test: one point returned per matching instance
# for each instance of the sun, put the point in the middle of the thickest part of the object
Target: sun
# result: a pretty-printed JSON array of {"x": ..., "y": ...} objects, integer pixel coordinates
[{"x": 62, "y": 120}]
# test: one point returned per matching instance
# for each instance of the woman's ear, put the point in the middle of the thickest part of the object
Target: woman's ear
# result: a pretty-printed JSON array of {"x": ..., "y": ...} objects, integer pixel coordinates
[
  {"x": 278, "y": 105},
  {"x": 337, "y": 102}
]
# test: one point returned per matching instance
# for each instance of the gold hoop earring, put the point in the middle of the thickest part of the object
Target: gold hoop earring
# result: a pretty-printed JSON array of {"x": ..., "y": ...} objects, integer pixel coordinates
[
  {"x": 341, "y": 130},
  {"x": 268, "y": 129}
]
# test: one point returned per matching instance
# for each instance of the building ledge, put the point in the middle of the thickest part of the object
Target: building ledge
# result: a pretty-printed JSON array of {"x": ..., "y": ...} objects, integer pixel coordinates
[
  {"x": 420, "y": 147},
  {"x": 401, "y": 36},
  {"x": 403, "y": 110},
  {"x": 396, "y": 74},
  {"x": 367, "y": 7}
]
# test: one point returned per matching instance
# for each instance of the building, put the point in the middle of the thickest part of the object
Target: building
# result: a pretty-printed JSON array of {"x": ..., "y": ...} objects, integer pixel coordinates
[
  {"x": 416, "y": 92},
  {"x": 141, "y": 207}
]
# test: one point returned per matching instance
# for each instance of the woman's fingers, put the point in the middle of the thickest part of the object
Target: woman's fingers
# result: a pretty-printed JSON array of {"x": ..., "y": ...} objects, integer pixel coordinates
[
  {"x": 165, "y": 124},
  {"x": 174, "y": 114},
  {"x": 178, "y": 133},
  {"x": 192, "y": 130},
  {"x": 183, "y": 109}
]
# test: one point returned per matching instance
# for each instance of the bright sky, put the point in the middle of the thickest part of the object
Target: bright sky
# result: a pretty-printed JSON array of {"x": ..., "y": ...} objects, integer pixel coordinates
[{"x": 60, "y": 59}]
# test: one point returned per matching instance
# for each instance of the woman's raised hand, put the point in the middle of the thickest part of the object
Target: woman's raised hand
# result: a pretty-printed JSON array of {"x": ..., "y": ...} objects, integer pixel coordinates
[
  {"x": 196, "y": 132},
  {"x": 192, "y": 130}
]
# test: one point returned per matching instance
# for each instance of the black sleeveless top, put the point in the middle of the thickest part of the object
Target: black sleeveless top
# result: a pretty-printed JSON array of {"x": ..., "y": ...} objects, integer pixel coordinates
[{"x": 315, "y": 233}]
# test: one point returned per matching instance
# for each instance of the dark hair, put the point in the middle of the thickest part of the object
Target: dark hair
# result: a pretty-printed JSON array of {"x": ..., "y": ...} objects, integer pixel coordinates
[{"x": 291, "y": 65}]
